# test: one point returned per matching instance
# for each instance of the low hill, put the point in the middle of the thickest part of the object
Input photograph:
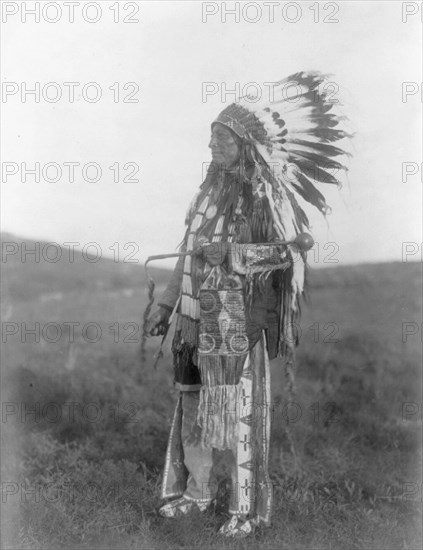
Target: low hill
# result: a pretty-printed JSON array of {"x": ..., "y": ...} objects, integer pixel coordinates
[{"x": 55, "y": 269}]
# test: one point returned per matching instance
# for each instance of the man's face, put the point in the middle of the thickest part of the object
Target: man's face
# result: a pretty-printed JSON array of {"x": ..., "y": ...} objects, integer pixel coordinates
[{"x": 224, "y": 148}]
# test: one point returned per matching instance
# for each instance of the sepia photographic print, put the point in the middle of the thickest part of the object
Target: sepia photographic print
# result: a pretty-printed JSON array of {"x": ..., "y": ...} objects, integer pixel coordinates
[{"x": 211, "y": 275}]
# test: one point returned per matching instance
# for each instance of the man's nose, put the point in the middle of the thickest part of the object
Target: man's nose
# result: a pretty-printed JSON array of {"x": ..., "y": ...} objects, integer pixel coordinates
[{"x": 213, "y": 142}]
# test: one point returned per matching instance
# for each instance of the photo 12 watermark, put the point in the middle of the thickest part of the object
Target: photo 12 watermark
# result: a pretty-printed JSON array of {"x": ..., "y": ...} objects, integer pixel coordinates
[
  {"x": 289, "y": 172},
  {"x": 70, "y": 92},
  {"x": 70, "y": 12},
  {"x": 413, "y": 90},
  {"x": 412, "y": 411},
  {"x": 69, "y": 172},
  {"x": 411, "y": 252},
  {"x": 410, "y": 169},
  {"x": 270, "y": 12},
  {"x": 318, "y": 494},
  {"x": 410, "y": 11},
  {"x": 69, "y": 492},
  {"x": 131, "y": 332},
  {"x": 254, "y": 92},
  {"x": 68, "y": 252},
  {"x": 411, "y": 330}
]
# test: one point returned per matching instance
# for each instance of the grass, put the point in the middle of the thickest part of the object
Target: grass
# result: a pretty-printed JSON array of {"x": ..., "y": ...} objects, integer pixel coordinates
[{"x": 95, "y": 473}]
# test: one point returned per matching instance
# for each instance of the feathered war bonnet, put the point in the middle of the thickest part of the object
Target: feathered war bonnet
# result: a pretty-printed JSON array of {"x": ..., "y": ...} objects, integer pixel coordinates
[
  {"x": 293, "y": 129},
  {"x": 290, "y": 136}
]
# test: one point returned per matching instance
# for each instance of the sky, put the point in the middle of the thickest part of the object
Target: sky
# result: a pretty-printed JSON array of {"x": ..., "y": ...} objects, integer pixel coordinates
[{"x": 155, "y": 133}]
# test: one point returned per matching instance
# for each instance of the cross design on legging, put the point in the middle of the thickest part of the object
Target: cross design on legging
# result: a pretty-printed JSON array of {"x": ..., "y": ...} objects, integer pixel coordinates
[
  {"x": 245, "y": 441},
  {"x": 177, "y": 463},
  {"x": 244, "y": 397},
  {"x": 246, "y": 487}
]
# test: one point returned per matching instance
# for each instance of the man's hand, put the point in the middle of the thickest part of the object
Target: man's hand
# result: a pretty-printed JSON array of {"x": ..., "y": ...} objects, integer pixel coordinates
[{"x": 158, "y": 322}]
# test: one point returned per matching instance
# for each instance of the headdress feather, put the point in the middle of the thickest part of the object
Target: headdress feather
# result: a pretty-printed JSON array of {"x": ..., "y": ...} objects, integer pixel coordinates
[{"x": 298, "y": 131}]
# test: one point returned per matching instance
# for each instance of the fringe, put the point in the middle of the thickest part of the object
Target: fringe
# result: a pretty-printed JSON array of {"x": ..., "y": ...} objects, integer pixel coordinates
[
  {"x": 188, "y": 330},
  {"x": 220, "y": 370},
  {"x": 290, "y": 381},
  {"x": 218, "y": 415}
]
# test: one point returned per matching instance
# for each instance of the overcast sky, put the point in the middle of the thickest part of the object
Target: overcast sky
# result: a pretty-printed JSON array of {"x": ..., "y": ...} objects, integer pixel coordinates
[{"x": 370, "y": 48}]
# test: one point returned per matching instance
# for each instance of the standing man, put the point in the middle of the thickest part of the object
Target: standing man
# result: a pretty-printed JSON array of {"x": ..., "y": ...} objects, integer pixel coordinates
[{"x": 236, "y": 292}]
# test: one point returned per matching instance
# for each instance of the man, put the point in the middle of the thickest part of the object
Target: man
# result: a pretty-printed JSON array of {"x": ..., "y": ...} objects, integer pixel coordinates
[{"x": 237, "y": 295}]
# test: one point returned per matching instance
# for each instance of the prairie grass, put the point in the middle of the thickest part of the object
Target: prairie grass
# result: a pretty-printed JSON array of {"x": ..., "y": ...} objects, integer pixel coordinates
[{"x": 83, "y": 470}]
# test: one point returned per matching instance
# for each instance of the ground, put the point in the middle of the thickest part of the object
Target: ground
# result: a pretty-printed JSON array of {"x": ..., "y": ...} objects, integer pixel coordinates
[{"x": 85, "y": 424}]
